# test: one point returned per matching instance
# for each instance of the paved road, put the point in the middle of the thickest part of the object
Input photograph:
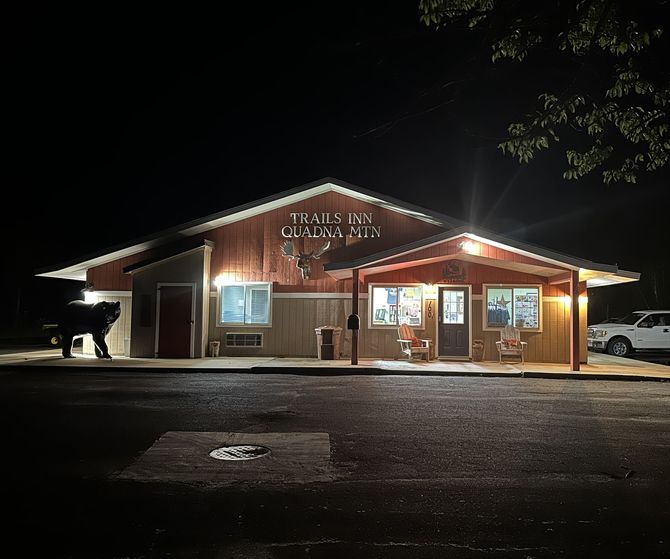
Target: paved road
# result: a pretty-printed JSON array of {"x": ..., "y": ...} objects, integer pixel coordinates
[{"x": 420, "y": 467}]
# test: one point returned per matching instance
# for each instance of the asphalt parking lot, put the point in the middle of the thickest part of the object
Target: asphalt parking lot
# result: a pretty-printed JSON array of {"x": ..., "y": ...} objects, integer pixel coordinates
[{"x": 427, "y": 467}]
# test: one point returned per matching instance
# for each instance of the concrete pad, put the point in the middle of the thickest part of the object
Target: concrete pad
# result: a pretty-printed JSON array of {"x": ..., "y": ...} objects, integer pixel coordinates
[
  {"x": 183, "y": 456},
  {"x": 600, "y": 366}
]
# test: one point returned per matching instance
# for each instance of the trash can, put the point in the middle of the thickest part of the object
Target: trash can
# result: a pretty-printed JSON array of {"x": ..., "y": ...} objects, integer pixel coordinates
[
  {"x": 328, "y": 342},
  {"x": 214, "y": 348},
  {"x": 478, "y": 350}
]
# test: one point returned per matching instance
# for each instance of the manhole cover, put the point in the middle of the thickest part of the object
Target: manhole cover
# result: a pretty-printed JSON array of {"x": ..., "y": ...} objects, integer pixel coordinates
[{"x": 240, "y": 452}]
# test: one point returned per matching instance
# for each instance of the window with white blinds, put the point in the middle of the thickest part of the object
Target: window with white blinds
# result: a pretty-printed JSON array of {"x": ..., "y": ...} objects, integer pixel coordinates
[{"x": 245, "y": 303}]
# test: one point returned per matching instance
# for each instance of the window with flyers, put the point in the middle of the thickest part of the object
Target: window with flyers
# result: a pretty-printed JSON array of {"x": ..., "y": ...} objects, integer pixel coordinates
[
  {"x": 516, "y": 305},
  {"x": 393, "y": 305}
]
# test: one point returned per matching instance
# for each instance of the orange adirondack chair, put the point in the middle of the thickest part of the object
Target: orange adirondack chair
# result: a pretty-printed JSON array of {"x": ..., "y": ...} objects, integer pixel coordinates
[
  {"x": 410, "y": 345},
  {"x": 510, "y": 343}
]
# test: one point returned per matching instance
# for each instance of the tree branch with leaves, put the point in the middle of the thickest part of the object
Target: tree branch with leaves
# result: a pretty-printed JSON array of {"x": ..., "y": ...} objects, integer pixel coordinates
[{"x": 622, "y": 123}]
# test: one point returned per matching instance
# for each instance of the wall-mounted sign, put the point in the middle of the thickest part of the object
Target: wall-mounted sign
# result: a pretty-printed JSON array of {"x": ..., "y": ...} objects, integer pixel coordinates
[
  {"x": 352, "y": 224},
  {"x": 453, "y": 271}
]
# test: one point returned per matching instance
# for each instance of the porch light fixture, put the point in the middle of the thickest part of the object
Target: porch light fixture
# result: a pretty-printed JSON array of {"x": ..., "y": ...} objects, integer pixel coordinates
[
  {"x": 582, "y": 299},
  {"x": 468, "y": 246},
  {"x": 430, "y": 291},
  {"x": 224, "y": 279}
]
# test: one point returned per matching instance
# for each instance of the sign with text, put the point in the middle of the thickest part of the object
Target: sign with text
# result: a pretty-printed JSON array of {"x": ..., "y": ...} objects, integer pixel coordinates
[{"x": 329, "y": 225}]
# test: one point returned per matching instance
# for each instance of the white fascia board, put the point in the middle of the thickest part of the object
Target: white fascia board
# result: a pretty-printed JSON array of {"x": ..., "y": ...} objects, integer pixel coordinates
[
  {"x": 613, "y": 279},
  {"x": 168, "y": 259},
  {"x": 521, "y": 251},
  {"x": 384, "y": 204},
  {"x": 66, "y": 273},
  {"x": 78, "y": 271},
  {"x": 606, "y": 278},
  {"x": 480, "y": 239},
  {"x": 257, "y": 210},
  {"x": 299, "y": 197}
]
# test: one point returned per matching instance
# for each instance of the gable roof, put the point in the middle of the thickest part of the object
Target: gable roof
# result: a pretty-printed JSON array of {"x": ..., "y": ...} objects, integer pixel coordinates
[
  {"x": 76, "y": 269},
  {"x": 594, "y": 273},
  {"x": 171, "y": 253}
]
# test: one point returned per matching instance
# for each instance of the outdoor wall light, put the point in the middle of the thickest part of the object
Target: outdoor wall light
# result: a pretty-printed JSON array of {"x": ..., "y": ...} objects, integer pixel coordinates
[
  {"x": 468, "y": 246},
  {"x": 224, "y": 279},
  {"x": 430, "y": 291},
  {"x": 582, "y": 299}
]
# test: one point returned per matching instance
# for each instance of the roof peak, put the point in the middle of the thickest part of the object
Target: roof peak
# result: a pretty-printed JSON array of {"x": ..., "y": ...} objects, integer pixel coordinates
[{"x": 76, "y": 269}]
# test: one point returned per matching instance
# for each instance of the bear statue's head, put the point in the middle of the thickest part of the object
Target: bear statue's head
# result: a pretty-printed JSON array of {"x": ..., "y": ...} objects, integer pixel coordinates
[{"x": 110, "y": 311}]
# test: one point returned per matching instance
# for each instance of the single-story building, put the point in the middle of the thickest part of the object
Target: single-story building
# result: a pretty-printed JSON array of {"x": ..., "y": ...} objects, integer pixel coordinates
[{"x": 261, "y": 277}]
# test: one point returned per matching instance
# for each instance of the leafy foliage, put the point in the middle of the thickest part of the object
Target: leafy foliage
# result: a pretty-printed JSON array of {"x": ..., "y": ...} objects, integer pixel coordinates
[{"x": 623, "y": 123}]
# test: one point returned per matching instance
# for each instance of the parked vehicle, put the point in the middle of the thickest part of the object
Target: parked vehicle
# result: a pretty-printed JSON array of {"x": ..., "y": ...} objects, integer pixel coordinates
[
  {"x": 640, "y": 330},
  {"x": 612, "y": 320}
]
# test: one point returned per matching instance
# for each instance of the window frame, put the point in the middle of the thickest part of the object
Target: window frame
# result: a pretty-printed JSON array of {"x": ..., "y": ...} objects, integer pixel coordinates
[
  {"x": 372, "y": 326},
  {"x": 512, "y": 286},
  {"x": 219, "y": 299}
]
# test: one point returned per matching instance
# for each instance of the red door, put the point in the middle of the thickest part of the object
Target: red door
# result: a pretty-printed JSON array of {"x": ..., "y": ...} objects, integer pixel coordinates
[{"x": 175, "y": 320}]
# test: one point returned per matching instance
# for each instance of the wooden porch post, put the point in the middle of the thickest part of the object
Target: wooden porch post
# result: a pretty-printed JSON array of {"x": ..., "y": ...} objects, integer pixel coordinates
[
  {"x": 574, "y": 320},
  {"x": 354, "y": 310}
]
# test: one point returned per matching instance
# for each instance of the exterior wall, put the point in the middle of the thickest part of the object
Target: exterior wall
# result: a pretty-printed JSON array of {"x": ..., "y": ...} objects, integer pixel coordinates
[
  {"x": 293, "y": 323},
  {"x": 552, "y": 345},
  {"x": 111, "y": 277},
  {"x": 294, "y": 320},
  {"x": 475, "y": 274},
  {"x": 188, "y": 268},
  {"x": 478, "y": 250},
  {"x": 204, "y": 330},
  {"x": 121, "y": 329},
  {"x": 292, "y": 331},
  {"x": 250, "y": 250}
]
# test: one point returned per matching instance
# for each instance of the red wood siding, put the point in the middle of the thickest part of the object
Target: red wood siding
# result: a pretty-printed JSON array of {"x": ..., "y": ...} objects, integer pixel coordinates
[
  {"x": 451, "y": 248},
  {"x": 249, "y": 250},
  {"x": 110, "y": 276}
]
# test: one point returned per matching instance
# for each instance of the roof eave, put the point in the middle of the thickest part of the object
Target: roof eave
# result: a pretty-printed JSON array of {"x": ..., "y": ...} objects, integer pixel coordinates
[
  {"x": 343, "y": 270},
  {"x": 76, "y": 269}
]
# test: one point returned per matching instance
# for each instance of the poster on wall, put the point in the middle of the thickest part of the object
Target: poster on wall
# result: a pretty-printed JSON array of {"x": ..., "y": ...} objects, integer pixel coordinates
[
  {"x": 410, "y": 305},
  {"x": 526, "y": 308}
]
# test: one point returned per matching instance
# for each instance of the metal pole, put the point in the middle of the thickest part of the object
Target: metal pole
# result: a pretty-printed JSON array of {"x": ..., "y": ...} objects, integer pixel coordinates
[
  {"x": 574, "y": 320},
  {"x": 354, "y": 310}
]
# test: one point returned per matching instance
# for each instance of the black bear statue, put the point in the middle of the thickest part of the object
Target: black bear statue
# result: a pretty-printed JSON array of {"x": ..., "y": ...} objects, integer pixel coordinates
[{"x": 81, "y": 318}]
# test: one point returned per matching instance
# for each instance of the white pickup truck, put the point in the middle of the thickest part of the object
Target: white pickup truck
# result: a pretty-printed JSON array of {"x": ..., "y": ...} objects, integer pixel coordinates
[{"x": 638, "y": 330}]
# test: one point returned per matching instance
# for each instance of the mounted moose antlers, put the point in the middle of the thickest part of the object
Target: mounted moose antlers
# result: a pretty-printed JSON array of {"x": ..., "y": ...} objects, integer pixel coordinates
[{"x": 304, "y": 259}]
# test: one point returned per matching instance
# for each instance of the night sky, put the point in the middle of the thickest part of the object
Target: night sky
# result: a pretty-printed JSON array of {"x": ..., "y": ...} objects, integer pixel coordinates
[{"x": 122, "y": 123}]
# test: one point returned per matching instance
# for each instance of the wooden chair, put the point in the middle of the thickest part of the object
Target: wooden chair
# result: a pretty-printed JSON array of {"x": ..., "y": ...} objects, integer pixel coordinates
[
  {"x": 510, "y": 343},
  {"x": 410, "y": 345}
]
